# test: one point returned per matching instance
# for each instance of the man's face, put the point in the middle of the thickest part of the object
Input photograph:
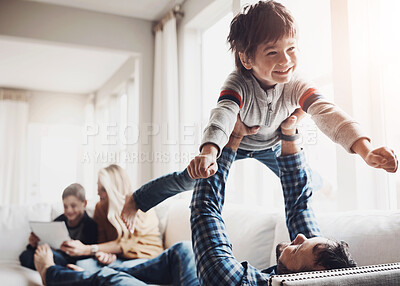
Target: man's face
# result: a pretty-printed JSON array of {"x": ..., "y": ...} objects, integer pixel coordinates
[
  {"x": 298, "y": 254},
  {"x": 274, "y": 62}
]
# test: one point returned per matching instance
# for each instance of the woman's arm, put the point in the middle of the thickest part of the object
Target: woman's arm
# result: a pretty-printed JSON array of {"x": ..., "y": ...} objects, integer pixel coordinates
[{"x": 77, "y": 248}]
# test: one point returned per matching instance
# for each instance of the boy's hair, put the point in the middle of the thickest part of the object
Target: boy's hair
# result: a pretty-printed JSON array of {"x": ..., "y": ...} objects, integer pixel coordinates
[
  {"x": 332, "y": 255},
  {"x": 75, "y": 190},
  {"x": 266, "y": 21}
]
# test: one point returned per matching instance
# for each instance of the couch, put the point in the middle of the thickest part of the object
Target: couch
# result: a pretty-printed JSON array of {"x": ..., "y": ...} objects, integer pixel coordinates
[{"x": 373, "y": 236}]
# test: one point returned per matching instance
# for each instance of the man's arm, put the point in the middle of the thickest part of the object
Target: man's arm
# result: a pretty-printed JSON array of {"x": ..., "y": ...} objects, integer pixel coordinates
[
  {"x": 295, "y": 178},
  {"x": 153, "y": 193},
  {"x": 215, "y": 262}
]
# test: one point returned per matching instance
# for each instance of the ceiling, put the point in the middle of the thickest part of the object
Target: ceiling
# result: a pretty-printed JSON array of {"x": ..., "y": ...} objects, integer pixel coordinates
[
  {"x": 37, "y": 66},
  {"x": 144, "y": 9},
  {"x": 30, "y": 65}
]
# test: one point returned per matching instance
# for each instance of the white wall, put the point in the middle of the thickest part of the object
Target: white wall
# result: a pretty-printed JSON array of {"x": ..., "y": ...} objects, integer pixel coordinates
[
  {"x": 67, "y": 26},
  {"x": 57, "y": 108}
]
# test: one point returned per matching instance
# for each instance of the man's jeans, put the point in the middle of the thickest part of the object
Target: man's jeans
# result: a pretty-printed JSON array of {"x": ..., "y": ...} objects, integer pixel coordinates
[{"x": 174, "y": 266}]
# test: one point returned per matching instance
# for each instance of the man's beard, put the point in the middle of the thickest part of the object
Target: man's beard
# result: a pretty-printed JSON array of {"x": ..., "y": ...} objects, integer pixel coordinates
[{"x": 279, "y": 249}]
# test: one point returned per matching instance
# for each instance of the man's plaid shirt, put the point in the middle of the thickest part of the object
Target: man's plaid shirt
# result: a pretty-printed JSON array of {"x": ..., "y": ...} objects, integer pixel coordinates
[{"x": 213, "y": 251}]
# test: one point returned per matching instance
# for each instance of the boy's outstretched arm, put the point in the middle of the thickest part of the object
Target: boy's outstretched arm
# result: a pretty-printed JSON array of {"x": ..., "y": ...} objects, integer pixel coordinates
[
  {"x": 205, "y": 164},
  {"x": 344, "y": 130},
  {"x": 382, "y": 158}
]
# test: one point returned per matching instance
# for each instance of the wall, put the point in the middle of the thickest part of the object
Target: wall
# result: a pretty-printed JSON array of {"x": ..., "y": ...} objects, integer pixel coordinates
[
  {"x": 61, "y": 25},
  {"x": 57, "y": 108}
]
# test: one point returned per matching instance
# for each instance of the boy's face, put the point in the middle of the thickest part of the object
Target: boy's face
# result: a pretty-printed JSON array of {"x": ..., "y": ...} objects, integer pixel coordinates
[
  {"x": 274, "y": 62},
  {"x": 73, "y": 208}
]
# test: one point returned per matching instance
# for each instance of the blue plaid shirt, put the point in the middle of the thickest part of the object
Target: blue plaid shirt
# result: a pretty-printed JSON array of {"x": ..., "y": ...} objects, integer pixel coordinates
[{"x": 215, "y": 262}]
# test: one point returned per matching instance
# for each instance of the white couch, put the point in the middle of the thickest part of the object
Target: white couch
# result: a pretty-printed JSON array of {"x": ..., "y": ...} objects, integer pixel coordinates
[{"x": 374, "y": 237}]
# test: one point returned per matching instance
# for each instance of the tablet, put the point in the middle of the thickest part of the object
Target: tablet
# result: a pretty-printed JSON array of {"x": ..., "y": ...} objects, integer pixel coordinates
[{"x": 53, "y": 233}]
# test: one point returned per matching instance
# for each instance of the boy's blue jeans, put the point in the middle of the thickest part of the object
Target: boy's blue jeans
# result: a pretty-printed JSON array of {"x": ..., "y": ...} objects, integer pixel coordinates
[
  {"x": 60, "y": 258},
  {"x": 155, "y": 191},
  {"x": 174, "y": 266},
  {"x": 267, "y": 157}
]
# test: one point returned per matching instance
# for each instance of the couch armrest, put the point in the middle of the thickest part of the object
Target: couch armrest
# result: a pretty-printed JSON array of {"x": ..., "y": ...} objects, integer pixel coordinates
[{"x": 383, "y": 274}]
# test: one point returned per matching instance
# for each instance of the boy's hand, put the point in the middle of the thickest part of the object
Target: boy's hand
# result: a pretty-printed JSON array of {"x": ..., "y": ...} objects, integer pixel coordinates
[
  {"x": 383, "y": 158},
  {"x": 105, "y": 258},
  {"x": 128, "y": 213},
  {"x": 33, "y": 240},
  {"x": 205, "y": 164},
  {"x": 75, "y": 248}
]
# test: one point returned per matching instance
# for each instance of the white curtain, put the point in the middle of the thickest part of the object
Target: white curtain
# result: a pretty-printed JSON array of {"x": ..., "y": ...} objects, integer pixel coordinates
[
  {"x": 88, "y": 161},
  {"x": 13, "y": 138},
  {"x": 165, "y": 155}
]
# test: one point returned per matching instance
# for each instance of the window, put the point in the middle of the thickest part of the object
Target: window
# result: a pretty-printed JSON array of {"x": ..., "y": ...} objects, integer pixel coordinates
[
  {"x": 261, "y": 186},
  {"x": 348, "y": 49},
  {"x": 389, "y": 61},
  {"x": 54, "y": 160}
]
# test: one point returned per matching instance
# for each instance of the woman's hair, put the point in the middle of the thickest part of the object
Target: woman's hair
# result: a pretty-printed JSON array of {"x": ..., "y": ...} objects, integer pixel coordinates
[
  {"x": 116, "y": 183},
  {"x": 265, "y": 21},
  {"x": 75, "y": 190}
]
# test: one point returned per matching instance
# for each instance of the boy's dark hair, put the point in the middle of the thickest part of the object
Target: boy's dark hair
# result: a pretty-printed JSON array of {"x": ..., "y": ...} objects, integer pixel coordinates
[
  {"x": 266, "y": 21},
  {"x": 332, "y": 255},
  {"x": 76, "y": 190}
]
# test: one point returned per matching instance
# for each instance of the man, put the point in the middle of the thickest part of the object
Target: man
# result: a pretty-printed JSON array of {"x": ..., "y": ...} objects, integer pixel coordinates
[
  {"x": 213, "y": 253},
  {"x": 215, "y": 262}
]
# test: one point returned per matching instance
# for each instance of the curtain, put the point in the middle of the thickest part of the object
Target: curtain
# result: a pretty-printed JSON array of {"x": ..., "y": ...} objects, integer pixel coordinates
[
  {"x": 165, "y": 125},
  {"x": 87, "y": 160},
  {"x": 131, "y": 132},
  {"x": 13, "y": 145}
]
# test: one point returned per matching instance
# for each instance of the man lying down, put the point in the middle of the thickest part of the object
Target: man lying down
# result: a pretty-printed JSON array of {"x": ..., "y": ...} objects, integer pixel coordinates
[{"x": 213, "y": 256}]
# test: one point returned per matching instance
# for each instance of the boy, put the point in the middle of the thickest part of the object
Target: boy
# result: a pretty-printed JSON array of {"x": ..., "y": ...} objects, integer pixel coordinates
[
  {"x": 80, "y": 227},
  {"x": 264, "y": 91}
]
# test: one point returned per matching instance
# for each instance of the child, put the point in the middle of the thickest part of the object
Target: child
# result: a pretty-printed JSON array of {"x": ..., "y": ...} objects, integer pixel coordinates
[
  {"x": 80, "y": 227},
  {"x": 264, "y": 90}
]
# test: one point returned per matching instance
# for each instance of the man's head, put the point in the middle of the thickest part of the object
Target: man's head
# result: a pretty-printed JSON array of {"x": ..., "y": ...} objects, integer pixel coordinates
[
  {"x": 265, "y": 25},
  {"x": 312, "y": 254}
]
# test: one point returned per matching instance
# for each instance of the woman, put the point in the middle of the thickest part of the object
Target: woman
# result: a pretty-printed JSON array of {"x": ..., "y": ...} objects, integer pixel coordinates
[{"x": 113, "y": 236}]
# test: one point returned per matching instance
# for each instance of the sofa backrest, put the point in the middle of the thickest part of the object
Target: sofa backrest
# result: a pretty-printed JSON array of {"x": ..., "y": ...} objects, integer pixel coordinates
[
  {"x": 15, "y": 230},
  {"x": 373, "y": 236},
  {"x": 251, "y": 231}
]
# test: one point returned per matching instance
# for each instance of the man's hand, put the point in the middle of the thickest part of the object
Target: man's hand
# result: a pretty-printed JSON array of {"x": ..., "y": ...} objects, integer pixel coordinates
[
  {"x": 383, "y": 158},
  {"x": 33, "y": 240},
  {"x": 128, "y": 213},
  {"x": 75, "y": 248},
  {"x": 205, "y": 164},
  {"x": 105, "y": 258},
  {"x": 241, "y": 130}
]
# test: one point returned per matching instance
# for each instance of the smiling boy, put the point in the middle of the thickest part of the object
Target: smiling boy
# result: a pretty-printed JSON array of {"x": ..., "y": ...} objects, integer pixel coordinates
[
  {"x": 80, "y": 227},
  {"x": 265, "y": 89}
]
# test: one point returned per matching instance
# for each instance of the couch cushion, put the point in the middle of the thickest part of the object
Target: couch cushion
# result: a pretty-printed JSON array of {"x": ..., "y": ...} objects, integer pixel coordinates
[
  {"x": 14, "y": 228},
  {"x": 373, "y": 236},
  {"x": 12, "y": 274},
  {"x": 251, "y": 231}
]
